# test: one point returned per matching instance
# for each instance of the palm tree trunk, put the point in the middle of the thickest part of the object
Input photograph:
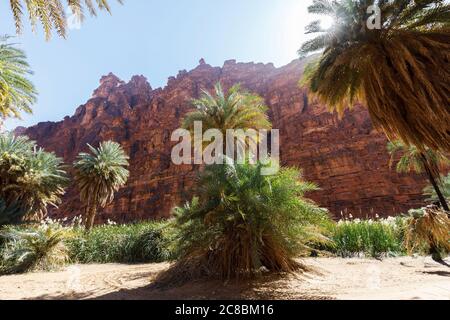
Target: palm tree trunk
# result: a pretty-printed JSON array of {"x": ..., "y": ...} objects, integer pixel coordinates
[
  {"x": 432, "y": 179},
  {"x": 90, "y": 217}
]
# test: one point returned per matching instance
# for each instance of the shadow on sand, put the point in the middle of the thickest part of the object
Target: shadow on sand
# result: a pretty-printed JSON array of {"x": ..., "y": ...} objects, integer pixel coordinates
[{"x": 270, "y": 287}]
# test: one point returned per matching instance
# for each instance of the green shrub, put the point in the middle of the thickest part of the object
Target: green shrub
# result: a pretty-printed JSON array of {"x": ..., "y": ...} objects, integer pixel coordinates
[
  {"x": 136, "y": 243},
  {"x": 368, "y": 237},
  {"x": 30, "y": 179},
  {"x": 243, "y": 221},
  {"x": 10, "y": 213},
  {"x": 38, "y": 248}
]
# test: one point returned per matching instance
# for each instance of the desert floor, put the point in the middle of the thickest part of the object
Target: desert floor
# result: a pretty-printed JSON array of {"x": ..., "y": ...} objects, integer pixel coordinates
[{"x": 333, "y": 278}]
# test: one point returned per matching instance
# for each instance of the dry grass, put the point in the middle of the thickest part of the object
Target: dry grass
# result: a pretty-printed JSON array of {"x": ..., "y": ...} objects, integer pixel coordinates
[{"x": 431, "y": 226}]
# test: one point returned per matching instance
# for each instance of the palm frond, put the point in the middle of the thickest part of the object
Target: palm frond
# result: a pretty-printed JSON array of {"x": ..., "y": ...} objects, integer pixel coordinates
[
  {"x": 17, "y": 92},
  {"x": 50, "y": 13},
  {"x": 100, "y": 174},
  {"x": 399, "y": 72}
]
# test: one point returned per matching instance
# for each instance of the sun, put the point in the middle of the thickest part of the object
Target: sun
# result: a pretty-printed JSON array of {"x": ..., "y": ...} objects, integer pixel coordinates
[
  {"x": 326, "y": 22},
  {"x": 295, "y": 18}
]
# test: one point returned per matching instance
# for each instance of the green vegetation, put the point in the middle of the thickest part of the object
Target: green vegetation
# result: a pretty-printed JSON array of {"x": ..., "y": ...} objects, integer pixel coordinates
[
  {"x": 243, "y": 221},
  {"x": 368, "y": 237},
  {"x": 17, "y": 93},
  {"x": 397, "y": 69},
  {"x": 51, "y": 14},
  {"x": 31, "y": 180},
  {"x": 431, "y": 193},
  {"x": 49, "y": 245},
  {"x": 428, "y": 161},
  {"x": 28, "y": 249},
  {"x": 136, "y": 243},
  {"x": 235, "y": 109},
  {"x": 99, "y": 175}
]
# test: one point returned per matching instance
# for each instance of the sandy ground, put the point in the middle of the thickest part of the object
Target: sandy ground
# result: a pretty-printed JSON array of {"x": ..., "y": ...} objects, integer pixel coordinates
[{"x": 334, "y": 278}]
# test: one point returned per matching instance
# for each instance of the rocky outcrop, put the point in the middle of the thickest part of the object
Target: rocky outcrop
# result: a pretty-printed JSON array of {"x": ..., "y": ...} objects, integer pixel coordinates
[{"x": 345, "y": 157}]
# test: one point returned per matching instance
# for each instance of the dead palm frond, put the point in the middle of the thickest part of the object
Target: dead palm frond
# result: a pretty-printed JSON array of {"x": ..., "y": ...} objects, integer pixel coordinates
[
  {"x": 428, "y": 226},
  {"x": 25, "y": 250}
]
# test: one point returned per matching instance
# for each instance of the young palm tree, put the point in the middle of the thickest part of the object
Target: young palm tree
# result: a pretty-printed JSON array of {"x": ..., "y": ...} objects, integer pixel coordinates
[
  {"x": 236, "y": 109},
  {"x": 40, "y": 248},
  {"x": 399, "y": 69},
  {"x": 17, "y": 93},
  {"x": 413, "y": 159},
  {"x": 51, "y": 15},
  {"x": 243, "y": 221},
  {"x": 99, "y": 175},
  {"x": 30, "y": 178}
]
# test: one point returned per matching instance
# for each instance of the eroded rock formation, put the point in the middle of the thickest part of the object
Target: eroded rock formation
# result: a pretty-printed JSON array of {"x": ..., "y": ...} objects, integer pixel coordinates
[{"x": 346, "y": 157}]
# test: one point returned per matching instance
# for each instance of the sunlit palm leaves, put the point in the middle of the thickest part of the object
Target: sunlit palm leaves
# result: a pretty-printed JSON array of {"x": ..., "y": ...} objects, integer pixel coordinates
[
  {"x": 51, "y": 15},
  {"x": 234, "y": 110},
  {"x": 99, "y": 174},
  {"x": 17, "y": 93},
  {"x": 29, "y": 177},
  {"x": 400, "y": 72}
]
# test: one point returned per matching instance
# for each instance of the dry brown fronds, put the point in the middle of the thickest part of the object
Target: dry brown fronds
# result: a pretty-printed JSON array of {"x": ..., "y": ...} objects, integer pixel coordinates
[{"x": 430, "y": 226}]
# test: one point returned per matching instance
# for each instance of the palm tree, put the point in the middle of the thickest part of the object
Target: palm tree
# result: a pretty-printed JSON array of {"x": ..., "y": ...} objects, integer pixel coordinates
[
  {"x": 400, "y": 70},
  {"x": 413, "y": 159},
  {"x": 431, "y": 227},
  {"x": 30, "y": 178},
  {"x": 99, "y": 175},
  {"x": 242, "y": 221},
  {"x": 17, "y": 93},
  {"x": 235, "y": 110},
  {"x": 51, "y": 15}
]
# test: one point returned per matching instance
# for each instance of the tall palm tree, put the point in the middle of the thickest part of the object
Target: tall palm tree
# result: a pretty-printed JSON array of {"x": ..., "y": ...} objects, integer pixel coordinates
[
  {"x": 30, "y": 178},
  {"x": 429, "y": 161},
  {"x": 51, "y": 15},
  {"x": 99, "y": 175},
  {"x": 400, "y": 70},
  {"x": 17, "y": 92},
  {"x": 233, "y": 110}
]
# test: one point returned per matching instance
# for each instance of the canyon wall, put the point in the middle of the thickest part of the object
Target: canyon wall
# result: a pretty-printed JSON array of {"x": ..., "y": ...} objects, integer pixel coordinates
[{"x": 345, "y": 157}]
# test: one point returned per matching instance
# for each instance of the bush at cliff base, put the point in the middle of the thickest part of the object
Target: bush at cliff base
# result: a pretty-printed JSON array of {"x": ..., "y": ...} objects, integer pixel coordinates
[{"x": 243, "y": 222}]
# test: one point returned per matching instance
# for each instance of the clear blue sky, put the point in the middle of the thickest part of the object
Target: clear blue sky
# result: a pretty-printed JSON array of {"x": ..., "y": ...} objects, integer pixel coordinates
[{"x": 156, "y": 38}]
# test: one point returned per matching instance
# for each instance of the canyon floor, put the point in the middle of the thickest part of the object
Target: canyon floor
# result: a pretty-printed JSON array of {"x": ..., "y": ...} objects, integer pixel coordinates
[{"x": 333, "y": 278}]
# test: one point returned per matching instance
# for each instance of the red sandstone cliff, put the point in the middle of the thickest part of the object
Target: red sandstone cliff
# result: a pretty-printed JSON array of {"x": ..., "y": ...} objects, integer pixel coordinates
[{"x": 346, "y": 158}]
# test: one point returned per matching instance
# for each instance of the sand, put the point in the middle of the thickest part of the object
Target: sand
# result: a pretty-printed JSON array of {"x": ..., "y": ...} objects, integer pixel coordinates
[{"x": 334, "y": 278}]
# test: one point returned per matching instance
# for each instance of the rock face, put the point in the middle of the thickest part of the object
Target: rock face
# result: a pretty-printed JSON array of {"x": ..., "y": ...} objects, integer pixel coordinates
[{"x": 346, "y": 157}]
